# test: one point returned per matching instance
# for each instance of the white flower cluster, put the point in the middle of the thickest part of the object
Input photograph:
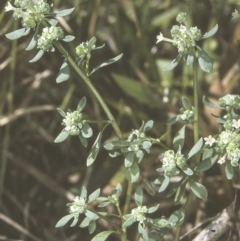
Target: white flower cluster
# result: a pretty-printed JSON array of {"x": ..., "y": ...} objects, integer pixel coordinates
[
  {"x": 72, "y": 121},
  {"x": 78, "y": 206},
  {"x": 139, "y": 213},
  {"x": 169, "y": 163},
  {"x": 228, "y": 147},
  {"x": 186, "y": 114},
  {"x": 230, "y": 101},
  {"x": 32, "y": 12},
  {"x": 49, "y": 34}
]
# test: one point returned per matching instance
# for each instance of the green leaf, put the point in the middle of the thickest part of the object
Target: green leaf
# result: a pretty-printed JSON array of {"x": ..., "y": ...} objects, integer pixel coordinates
[
  {"x": 186, "y": 103},
  {"x": 132, "y": 173},
  {"x": 52, "y": 22},
  {"x": 143, "y": 232},
  {"x": 94, "y": 196},
  {"x": 138, "y": 196},
  {"x": 129, "y": 221},
  {"x": 196, "y": 148},
  {"x": 110, "y": 61},
  {"x": 37, "y": 57},
  {"x": 229, "y": 170},
  {"x": 92, "y": 226},
  {"x": 204, "y": 60},
  {"x": 74, "y": 223},
  {"x": 68, "y": 38},
  {"x": 153, "y": 209},
  {"x": 148, "y": 186},
  {"x": 64, "y": 72},
  {"x": 33, "y": 42},
  {"x": 62, "y": 136},
  {"x": 64, "y": 220},
  {"x": 82, "y": 104},
  {"x": 206, "y": 164},
  {"x": 211, "y": 32},
  {"x": 148, "y": 126},
  {"x": 208, "y": 103},
  {"x": 84, "y": 193},
  {"x": 165, "y": 183},
  {"x": 187, "y": 170},
  {"x": 83, "y": 140},
  {"x": 198, "y": 189},
  {"x": 173, "y": 120},
  {"x": 85, "y": 222},
  {"x": 180, "y": 193},
  {"x": 95, "y": 148},
  {"x": 18, "y": 33},
  {"x": 129, "y": 159},
  {"x": 177, "y": 218},
  {"x": 190, "y": 59},
  {"x": 179, "y": 139},
  {"x": 91, "y": 215},
  {"x": 173, "y": 64},
  {"x": 61, "y": 112},
  {"x": 64, "y": 12},
  {"x": 86, "y": 130},
  {"x": 102, "y": 236},
  {"x": 91, "y": 42}
]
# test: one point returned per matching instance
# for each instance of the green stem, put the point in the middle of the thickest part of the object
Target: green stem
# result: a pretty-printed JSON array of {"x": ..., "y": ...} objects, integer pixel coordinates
[
  {"x": 91, "y": 87},
  {"x": 118, "y": 229},
  {"x": 196, "y": 137},
  {"x": 12, "y": 71}
]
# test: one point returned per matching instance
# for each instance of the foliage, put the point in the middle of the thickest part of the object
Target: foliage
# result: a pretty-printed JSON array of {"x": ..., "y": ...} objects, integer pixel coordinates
[{"x": 181, "y": 159}]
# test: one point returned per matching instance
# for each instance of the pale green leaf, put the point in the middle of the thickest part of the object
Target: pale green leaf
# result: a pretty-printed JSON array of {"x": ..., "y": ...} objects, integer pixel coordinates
[
  {"x": 102, "y": 236},
  {"x": 138, "y": 196},
  {"x": 64, "y": 220},
  {"x": 18, "y": 33},
  {"x": 196, "y": 148},
  {"x": 179, "y": 139},
  {"x": 204, "y": 60},
  {"x": 198, "y": 189},
  {"x": 64, "y": 73},
  {"x": 94, "y": 196},
  {"x": 173, "y": 64},
  {"x": 37, "y": 56},
  {"x": 64, "y": 12},
  {"x": 229, "y": 170},
  {"x": 211, "y": 32},
  {"x": 62, "y": 136},
  {"x": 110, "y": 61}
]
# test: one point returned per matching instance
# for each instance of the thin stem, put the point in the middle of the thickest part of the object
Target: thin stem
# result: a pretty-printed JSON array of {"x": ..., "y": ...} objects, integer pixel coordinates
[
  {"x": 196, "y": 137},
  {"x": 118, "y": 229},
  {"x": 3, "y": 165},
  {"x": 92, "y": 88}
]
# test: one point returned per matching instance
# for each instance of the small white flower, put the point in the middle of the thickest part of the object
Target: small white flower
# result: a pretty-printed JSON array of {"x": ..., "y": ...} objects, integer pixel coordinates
[
  {"x": 236, "y": 124},
  {"x": 183, "y": 29},
  {"x": 222, "y": 160},
  {"x": 9, "y": 7},
  {"x": 235, "y": 15},
  {"x": 209, "y": 140},
  {"x": 159, "y": 38}
]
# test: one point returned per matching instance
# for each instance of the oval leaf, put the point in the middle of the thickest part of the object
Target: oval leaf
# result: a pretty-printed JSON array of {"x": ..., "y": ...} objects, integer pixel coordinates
[
  {"x": 179, "y": 139},
  {"x": 86, "y": 130},
  {"x": 177, "y": 218},
  {"x": 110, "y": 61},
  {"x": 138, "y": 196},
  {"x": 196, "y": 148},
  {"x": 165, "y": 183},
  {"x": 208, "y": 103},
  {"x": 211, "y": 32},
  {"x": 82, "y": 104},
  {"x": 62, "y": 136},
  {"x": 64, "y": 12},
  {"x": 186, "y": 103},
  {"x": 229, "y": 170},
  {"x": 37, "y": 57},
  {"x": 94, "y": 196},
  {"x": 64, "y": 220},
  {"x": 173, "y": 64},
  {"x": 68, "y": 38},
  {"x": 198, "y": 189},
  {"x": 18, "y": 33},
  {"x": 64, "y": 73},
  {"x": 102, "y": 236},
  {"x": 206, "y": 164},
  {"x": 204, "y": 60}
]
